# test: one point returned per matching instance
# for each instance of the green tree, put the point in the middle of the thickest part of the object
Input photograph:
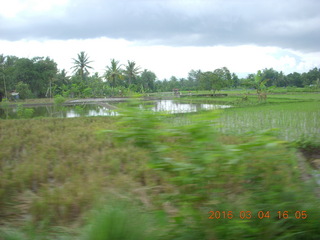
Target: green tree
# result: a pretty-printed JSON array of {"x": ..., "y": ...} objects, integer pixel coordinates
[
  {"x": 113, "y": 73},
  {"x": 2, "y": 63},
  {"x": 148, "y": 79},
  {"x": 224, "y": 77},
  {"x": 97, "y": 85},
  {"x": 62, "y": 78},
  {"x": 131, "y": 72},
  {"x": 47, "y": 71},
  {"x": 235, "y": 82},
  {"x": 311, "y": 77},
  {"x": 81, "y": 65},
  {"x": 23, "y": 90},
  {"x": 210, "y": 81},
  {"x": 294, "y": 79},
  {"x": 260, "y": 85},
  {"x": 194, "y": 79},
  {"x": 272, "y": 76},
  {"x": 37, "y": 73}
]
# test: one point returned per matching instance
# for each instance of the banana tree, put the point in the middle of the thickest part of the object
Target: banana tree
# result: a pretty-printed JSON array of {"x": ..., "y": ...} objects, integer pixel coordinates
[{"x": 260, "y": 85}]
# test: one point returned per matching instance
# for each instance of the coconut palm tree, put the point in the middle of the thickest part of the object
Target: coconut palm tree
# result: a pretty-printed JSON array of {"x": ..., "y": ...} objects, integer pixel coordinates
[
  {"x": 131, "y": 71},
  {"x": 81, "y": 64},
  {"x": 113, "y": 72}
]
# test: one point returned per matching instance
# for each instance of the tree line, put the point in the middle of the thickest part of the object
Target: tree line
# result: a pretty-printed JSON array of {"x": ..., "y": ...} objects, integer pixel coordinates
[{"x": 39, "y": 77}]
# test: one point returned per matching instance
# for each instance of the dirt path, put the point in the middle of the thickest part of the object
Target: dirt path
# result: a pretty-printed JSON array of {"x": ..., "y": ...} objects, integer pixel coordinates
[
  {"x": 95, "y": 100},
  {"x": 306, "y": 176},
  {"x": 71, "y": 102}
]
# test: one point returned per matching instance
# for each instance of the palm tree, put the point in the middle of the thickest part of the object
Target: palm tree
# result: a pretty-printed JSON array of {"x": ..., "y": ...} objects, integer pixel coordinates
[
  {"x": 81, "y": 64},
  {"x": 131, "y": 71},
  {"x": 113, "y": 72}
]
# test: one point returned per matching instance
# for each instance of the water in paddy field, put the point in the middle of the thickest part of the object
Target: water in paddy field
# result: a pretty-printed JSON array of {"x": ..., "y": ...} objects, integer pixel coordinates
[
  {"x": 87, "y": 110},
  {"x": 177, "y": 107},
  {"x": 60, "y": 112}
]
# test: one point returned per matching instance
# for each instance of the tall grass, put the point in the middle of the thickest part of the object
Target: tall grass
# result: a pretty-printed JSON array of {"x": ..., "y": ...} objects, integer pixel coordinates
[
  {"x": 55, "y": 169},
  {"x": 121, "y": 220},
  {"x": 259, "y": 173}
]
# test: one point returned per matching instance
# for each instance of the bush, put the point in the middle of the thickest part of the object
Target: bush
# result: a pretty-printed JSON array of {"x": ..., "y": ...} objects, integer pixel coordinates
[
  {"x": 24, "y": 90},
  {"x": 23, "y": 112},
  {"x": 120, "y": 220},
  {"x": 259, "y": 174},
  {"x": 87, "y": 92},
  {"x": 59, "y": 100}
]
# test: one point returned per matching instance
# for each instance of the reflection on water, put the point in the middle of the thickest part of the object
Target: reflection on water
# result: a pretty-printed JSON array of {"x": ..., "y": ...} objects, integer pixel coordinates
[
  {"x": 62, "y": 112},
  {"x": 176, "y": 107},
  {"x": 100, "y": 111},
  {"x": 97, "y": 110}
]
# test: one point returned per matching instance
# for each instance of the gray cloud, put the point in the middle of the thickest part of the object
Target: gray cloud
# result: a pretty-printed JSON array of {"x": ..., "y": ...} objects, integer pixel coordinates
[{"x": 291, "y": 24}]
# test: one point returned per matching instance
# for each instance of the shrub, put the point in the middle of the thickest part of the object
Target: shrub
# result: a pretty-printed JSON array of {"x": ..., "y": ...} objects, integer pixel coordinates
[
  {"x": 120, "y": 220},
  {"x": 23, "y": 112},
  {"x": 59, "y": 100},
  {"x": 259, "y": 174},
  {"x": 24, "y": 90}
]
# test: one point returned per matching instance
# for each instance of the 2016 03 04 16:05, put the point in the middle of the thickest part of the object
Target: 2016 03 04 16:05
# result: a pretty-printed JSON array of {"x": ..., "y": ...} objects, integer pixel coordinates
[{"x": 257, "y": 215}]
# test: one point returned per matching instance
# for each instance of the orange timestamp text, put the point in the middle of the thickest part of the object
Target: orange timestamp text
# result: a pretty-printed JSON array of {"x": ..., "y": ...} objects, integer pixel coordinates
[{"x": 257, "y": 215}]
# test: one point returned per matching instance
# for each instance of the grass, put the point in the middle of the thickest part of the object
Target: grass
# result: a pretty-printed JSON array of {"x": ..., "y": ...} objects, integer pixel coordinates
[
  {"x": 55, "y": 168},
  {"x": 68, "y": 179},
  {"x": 292, "y": 120},
  {"x": 295, "y": 115}
]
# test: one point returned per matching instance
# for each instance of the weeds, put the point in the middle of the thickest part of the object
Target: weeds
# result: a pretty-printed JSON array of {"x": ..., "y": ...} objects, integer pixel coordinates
[
  {"x": 23, "y": 112},
  {"x": 59, "y": 100},
  {"x": 259, "y": 174},
  {"x": 54, "y": 171}
]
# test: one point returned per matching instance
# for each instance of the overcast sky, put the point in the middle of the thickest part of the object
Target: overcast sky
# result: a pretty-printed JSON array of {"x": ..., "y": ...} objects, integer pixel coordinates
[{"x": 168, "y": 37}]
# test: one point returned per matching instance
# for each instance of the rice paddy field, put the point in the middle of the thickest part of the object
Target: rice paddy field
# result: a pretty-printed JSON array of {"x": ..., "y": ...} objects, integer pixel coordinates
[
  {"x": 293, "y": 115},
  {"x": 139, "y": 176},
  {"x": 292, "y": 120}
]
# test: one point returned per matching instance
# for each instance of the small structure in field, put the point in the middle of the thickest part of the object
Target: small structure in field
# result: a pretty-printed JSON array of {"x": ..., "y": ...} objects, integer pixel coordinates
[
  {"x": 14, "y": 95},
  {"x": 176, "y": 92}
]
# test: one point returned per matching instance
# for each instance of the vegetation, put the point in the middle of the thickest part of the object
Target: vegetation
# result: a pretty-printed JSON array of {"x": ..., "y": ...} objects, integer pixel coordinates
[
  {"x": 147, "y": 175},
  {"x": 67, "y": 186},
  {"x": 39, "y": 77},
  {"x": 81, "y": 65}
]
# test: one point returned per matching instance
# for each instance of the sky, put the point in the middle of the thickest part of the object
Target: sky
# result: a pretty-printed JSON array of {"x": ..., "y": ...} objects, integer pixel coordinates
[{"x": 168, "y": 37}]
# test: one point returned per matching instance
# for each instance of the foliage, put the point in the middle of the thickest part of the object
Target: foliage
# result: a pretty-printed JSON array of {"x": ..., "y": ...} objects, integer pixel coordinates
[
  {"x": 87, "y": 92},
  {"x": 147, "y": 81},
  {"x": 308, "y": 142},
  {"x": 81, "y": 65},
  {"x": 23, "y": 112},
  {"x": 208, "y": 175},
  {"x": 41, "y": 74},
  {"x": 5, "y": 107},
  {"x": 115, "y": 221},
  {"x": 182, "y": 170},
  {"x": 23, "y": 90},
  {"x": 114, "y": 73},
  {"x": 131, "y": 72},
  {"x": 10, "y": 234},
  {"x": 59, "y": 100}
]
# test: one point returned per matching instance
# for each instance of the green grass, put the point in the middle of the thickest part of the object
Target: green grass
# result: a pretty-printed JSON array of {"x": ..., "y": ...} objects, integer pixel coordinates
[
  {"x": 62, "y": 178},
  {"x": 292, "y": 119}
]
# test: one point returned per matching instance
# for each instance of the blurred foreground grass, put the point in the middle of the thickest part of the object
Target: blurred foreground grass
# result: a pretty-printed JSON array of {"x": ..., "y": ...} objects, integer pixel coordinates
[{"x": 54, "y": 172}]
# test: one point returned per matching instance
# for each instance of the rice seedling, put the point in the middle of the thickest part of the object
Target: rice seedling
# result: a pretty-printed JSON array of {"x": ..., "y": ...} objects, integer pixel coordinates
[{"x": 292, "y": 120}]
